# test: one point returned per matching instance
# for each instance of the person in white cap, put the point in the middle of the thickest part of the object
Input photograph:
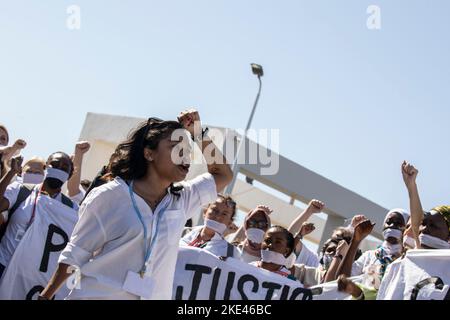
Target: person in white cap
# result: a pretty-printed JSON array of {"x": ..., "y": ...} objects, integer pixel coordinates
[{"x": 373, "y": 263}]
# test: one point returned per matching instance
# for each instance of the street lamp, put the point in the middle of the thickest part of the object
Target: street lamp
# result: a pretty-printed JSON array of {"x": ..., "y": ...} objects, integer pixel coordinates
[{"x": 258, "y": 71}]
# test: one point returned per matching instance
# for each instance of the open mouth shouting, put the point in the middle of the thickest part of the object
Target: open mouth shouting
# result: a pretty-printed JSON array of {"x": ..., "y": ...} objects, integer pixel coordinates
[{"x": 184, "y": 168}]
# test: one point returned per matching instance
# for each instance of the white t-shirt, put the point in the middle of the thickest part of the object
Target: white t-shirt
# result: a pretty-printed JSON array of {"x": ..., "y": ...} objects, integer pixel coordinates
[
  {"x": 246, "y": 257},
  {"x": 391, "y": 276},
  {"x": 217, "y": 245},
  {"x": 366, "y": 260},
  {"x": 19, "y": 220},
  {"x": 307, "y": 257},
  {"x": 108, "y": 240}
]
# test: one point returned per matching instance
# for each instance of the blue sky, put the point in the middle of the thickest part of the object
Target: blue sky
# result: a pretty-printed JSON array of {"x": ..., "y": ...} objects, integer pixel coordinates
[{"x": 351, "y": 103}]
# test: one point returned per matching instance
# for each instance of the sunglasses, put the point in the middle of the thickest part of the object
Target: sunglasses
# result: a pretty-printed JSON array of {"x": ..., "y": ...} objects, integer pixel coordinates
[
  {"x": 258, "y": 224},
  {"x": 148, "y": 125}
]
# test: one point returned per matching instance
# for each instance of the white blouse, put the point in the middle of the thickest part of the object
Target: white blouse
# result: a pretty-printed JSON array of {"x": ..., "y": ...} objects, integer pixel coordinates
[{"x": 108, "y": 240}]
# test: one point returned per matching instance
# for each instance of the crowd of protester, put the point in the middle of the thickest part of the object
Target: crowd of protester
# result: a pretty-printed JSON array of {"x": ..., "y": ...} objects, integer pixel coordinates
[{"x": 141, "y": 193}]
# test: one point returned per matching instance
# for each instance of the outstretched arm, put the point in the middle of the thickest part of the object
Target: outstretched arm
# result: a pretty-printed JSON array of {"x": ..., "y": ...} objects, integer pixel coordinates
[
  {"x": 314, "y": 206},
  {"x": 409, "y": 174},
  {"x": 73, "y": 185},
  {"x": 362, "y": 230}
]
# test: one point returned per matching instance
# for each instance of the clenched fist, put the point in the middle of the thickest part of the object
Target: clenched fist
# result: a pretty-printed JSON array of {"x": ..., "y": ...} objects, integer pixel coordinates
[
  {"x": 81, "y": 147},
  {"x": 315, "y": 206},
  {"x": 362, "y": 230},
  {"x": 409, "y": 174},
  {"x": 190, "y": 119}
]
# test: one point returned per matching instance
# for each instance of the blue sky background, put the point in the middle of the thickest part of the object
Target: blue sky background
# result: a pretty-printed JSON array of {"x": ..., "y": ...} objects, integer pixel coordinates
[{"x": 351, "y": 103}]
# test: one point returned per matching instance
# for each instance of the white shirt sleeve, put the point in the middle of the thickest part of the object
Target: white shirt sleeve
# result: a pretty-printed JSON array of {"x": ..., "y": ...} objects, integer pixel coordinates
[
  {"x": 198, "y": 192},
  {"x": 313, "y": 260},
  {"x": 11, "y": 194},
  {"x": 88, "y": 235},
  {"x": 358, "y": 265},
  {"x": 79, "y": 196}
]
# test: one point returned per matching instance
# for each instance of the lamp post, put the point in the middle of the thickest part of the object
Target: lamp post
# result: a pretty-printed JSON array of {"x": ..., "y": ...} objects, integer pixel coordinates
[{"x": 258, "y": 71}]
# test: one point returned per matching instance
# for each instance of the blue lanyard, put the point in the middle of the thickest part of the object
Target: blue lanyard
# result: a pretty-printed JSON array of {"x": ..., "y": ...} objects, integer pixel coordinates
[{"x": 147, "y": 248}]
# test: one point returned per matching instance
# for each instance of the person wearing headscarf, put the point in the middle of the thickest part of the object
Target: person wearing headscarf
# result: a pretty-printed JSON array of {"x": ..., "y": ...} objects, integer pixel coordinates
[
  {"x": 431, "y": 229},
  {"x": 375, "y": 262},
  {"x": 256, "y": 223}
]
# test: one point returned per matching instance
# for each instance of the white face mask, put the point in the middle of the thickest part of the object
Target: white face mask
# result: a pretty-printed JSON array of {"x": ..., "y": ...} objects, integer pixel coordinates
[
  {"x": 32, "y": 178},
  {"x": 409, "y": 242},
  {"x": 56, "y": 174},
  {"x": 392, "y": 249},
  {"x": 273, "y": 257},
  {"x": 216, "y": 226},
  {"x": 392, "y": 233},
  {"x": 255, "y": 235},
  {"x": 433, "y": 242},
  {"x": 290, "y": 261}
]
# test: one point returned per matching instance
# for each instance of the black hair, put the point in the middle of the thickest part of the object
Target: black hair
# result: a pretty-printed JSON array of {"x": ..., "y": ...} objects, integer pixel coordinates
[
  {"x": 229, "y": 200},
  {"x": 128, "y": 161},
  {"x": 85, "y": 183},
  {"x": 288, "y": 235}
]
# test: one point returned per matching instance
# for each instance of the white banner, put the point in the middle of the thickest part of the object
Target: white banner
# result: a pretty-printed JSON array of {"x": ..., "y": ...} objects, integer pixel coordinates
[
  {"x": 421, "y": 275},
  {"x": 36, "y": 257},
  {"x": 202, "y": 276}
]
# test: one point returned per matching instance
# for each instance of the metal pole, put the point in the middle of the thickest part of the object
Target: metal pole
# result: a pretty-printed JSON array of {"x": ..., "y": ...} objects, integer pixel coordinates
[{"x": 235, "y": 165}]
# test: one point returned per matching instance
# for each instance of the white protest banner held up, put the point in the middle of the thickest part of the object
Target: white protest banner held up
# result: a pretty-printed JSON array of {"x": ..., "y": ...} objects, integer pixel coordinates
[
  {"x": 421, "y": 275},
  {"x": 202, "y": 276}
]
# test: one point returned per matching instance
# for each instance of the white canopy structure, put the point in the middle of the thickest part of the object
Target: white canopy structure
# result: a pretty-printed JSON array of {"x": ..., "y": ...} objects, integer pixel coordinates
[{"x": 104, "y": 132}]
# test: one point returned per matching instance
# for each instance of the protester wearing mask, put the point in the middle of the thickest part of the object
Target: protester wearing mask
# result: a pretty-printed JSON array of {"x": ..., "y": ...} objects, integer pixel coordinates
[
  {"x": 126, "y": 240},
  {"x": 21, "y": 211},
  {"x": 373, "y": 263},
  {"x": 432, "y": 229},
  {"x": 392, "y": 247},
  {"x": 300, "y": 229},
  {"x": 254, "y": 228},
  {"x": 32, "y": 174},
  {"x": 218, "y": 216},
  {"x": 33, "y": 171},
  {"x": 276, "y": 251}
]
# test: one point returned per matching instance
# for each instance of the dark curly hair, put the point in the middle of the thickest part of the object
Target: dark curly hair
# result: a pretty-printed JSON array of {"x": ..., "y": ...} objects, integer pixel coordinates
[
  {"x": 129, "y": 162},
  {"x": 289, "y": 237}
]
